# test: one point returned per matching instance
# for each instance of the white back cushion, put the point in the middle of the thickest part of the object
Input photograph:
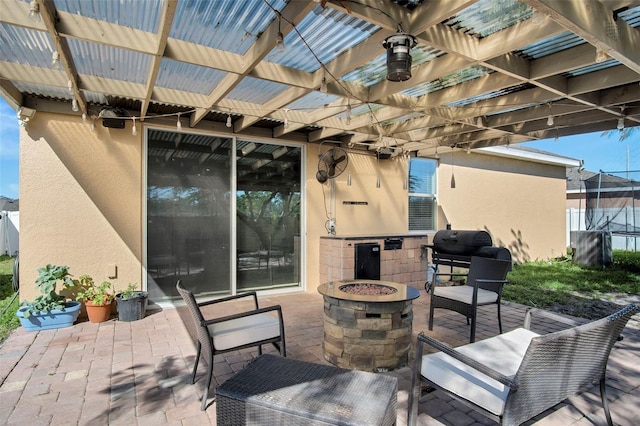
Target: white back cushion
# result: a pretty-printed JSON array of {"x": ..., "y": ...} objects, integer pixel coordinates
[{"x": 502, "y": 353}]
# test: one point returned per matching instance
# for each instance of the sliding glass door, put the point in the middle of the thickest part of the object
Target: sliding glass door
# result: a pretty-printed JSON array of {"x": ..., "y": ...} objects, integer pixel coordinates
[
  {"x": 268, "y": 216},
  {"x": 198, "y": 232}
]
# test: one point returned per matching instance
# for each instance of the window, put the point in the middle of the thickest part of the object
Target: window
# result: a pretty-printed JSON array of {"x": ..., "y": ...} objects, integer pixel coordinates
[{"x": 422, "y": 194}]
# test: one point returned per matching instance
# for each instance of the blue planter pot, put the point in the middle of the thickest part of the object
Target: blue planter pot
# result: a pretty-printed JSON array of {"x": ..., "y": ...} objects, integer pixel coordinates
[{"x": 57, "y": 318}]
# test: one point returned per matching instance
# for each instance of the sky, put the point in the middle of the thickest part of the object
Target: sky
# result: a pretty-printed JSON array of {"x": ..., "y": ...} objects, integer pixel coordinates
[{"x": 598, "y": 152}]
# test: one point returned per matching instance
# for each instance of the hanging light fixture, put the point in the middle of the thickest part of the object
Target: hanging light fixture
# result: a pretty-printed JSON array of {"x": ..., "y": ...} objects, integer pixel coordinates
[
  {"x": 286, "y": 119},
  {"x": 55, "y": 59},
  {"x": 229, "y": 123},
  {"x": 134, "y": 130},
  {"x": 601, "y": 56},
  {"x": 34, "y": 11},
  {"x": 280, "y": 47},
  {"x": 74, "y": 105},
  {"x": 178, "y": 123},
  {"x": 620, "y": 125},
  {"x": 323, "y": 85},
  {"x": 550, "y": 118},
  {"x": 453, "y": 177},
  {"x": 399, "y": 48}
]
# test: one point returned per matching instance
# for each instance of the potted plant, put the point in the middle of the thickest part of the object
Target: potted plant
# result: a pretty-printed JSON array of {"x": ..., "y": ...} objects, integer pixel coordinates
[
  {"x": 131, "y": 303},
  {"x": 97, "y": 298},
  {"x": 50, "y": 309}
]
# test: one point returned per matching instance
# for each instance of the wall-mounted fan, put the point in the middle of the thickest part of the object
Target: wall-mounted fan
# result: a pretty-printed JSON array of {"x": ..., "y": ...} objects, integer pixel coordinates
[{"x": 332, "y": 163}]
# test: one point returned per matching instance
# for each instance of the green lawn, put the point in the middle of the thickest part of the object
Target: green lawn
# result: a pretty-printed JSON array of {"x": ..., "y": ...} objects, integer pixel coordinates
[
  {"x": 8, "y": 321},
  {"x": 539, "y": 284},
  {"x": 543, "y": 284}
]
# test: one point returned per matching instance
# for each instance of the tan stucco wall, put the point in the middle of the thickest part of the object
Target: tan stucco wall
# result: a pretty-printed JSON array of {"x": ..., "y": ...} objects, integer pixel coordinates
[
  {"x": 521, "y": 204},
  {"x": 384, "y": 214},
  {"x": 80, "y": 200}
]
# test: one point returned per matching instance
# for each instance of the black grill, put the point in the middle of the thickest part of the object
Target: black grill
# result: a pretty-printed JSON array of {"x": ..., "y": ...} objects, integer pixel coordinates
[{"x": 455, "y": 248}]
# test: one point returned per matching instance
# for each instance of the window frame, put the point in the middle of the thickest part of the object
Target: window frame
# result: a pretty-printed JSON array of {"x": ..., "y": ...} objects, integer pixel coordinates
[{"x": 431, "y": 196}]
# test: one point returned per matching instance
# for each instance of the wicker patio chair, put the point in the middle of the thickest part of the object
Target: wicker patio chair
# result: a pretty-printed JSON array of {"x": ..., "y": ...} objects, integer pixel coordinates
[
  {"x": 518, "y": 375},
  {"x": 232, "y": 332},
  {"x": 483, "y": 286}
]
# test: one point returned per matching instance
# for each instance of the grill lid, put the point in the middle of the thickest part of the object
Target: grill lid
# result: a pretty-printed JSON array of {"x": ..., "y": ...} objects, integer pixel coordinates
[{"x": 460, "y": 242}]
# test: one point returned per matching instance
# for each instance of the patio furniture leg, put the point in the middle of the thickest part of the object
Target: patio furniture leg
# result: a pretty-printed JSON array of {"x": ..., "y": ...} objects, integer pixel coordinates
[
  {"x": 473, "y": 329},
  {"x": 605, "y": 402},
  {"x": 206, "y": 388},
  {"x": 431, "y": 316},
  {"x": 195, "y": 364},
  {"x": 415, "y": 391},
  {"x": 499, "y": 319}
]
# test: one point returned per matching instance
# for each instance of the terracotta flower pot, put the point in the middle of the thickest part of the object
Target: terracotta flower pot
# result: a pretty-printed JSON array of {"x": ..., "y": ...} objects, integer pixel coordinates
[{"x": 98, "y": 313}]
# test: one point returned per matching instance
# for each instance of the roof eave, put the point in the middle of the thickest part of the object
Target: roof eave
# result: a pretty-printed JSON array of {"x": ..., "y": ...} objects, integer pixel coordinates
[{"x": 536, "y": 157}]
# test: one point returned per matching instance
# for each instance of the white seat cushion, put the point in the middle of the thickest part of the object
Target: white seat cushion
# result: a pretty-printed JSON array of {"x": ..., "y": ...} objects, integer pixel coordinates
[
  {"x": 464, "y": 293},
  {"x": 502, "y": 353},
  {"x": 244, "y": 330}
]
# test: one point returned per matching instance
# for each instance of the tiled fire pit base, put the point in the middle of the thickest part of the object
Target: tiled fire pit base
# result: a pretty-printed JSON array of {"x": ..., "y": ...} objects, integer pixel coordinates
[{"x": 367, "y": 332}]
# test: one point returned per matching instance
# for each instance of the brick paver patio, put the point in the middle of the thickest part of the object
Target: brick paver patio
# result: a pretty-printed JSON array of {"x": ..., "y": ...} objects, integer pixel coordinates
[{"x": 138, "y": 373}]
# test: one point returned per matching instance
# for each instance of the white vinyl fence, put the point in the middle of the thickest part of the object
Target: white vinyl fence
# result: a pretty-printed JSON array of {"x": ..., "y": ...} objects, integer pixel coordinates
[
  {"x": 576, "y": 222},
  {"x": 9, "y": 231}
]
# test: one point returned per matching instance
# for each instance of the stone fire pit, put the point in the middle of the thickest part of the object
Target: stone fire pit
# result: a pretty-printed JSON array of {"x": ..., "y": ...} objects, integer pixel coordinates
[{"x": 367, "y": 324}]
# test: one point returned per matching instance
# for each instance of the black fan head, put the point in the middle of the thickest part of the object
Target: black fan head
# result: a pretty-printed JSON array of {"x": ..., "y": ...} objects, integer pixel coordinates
[{"x": 332, "y": 163}]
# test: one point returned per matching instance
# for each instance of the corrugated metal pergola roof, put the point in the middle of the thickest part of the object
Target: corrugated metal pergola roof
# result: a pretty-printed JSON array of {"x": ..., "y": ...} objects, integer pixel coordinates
[{"x": 484, "y": 73}]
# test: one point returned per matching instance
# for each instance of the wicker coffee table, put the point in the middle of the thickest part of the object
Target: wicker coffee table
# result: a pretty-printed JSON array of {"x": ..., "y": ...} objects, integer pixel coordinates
[{"x": 273, "y": 390}]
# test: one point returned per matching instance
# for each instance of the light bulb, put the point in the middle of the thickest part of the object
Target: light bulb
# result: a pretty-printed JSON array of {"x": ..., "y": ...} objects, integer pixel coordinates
[
  {"x": 323, "y": 85},
  {"x": 84, "y": 117},
  {"x": 70, "y": 86},
  {"x": 601, "y": 56},
  {"x": 620, "y": 125},
  {"x": 134, "y": 130},
  {"x": 74, "y": 105},
  {"x": 34, "y": 11},
  {"x": 550, "y": 120},
  {"x": 468, "y": 150},
  {"x": 280, "y": 47},
  {"x": 55, "y": 59},
  {"x": 229, "y": 123},
  {"x": 179, "y": 123},
  {"x": 286, "y": 119}
]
